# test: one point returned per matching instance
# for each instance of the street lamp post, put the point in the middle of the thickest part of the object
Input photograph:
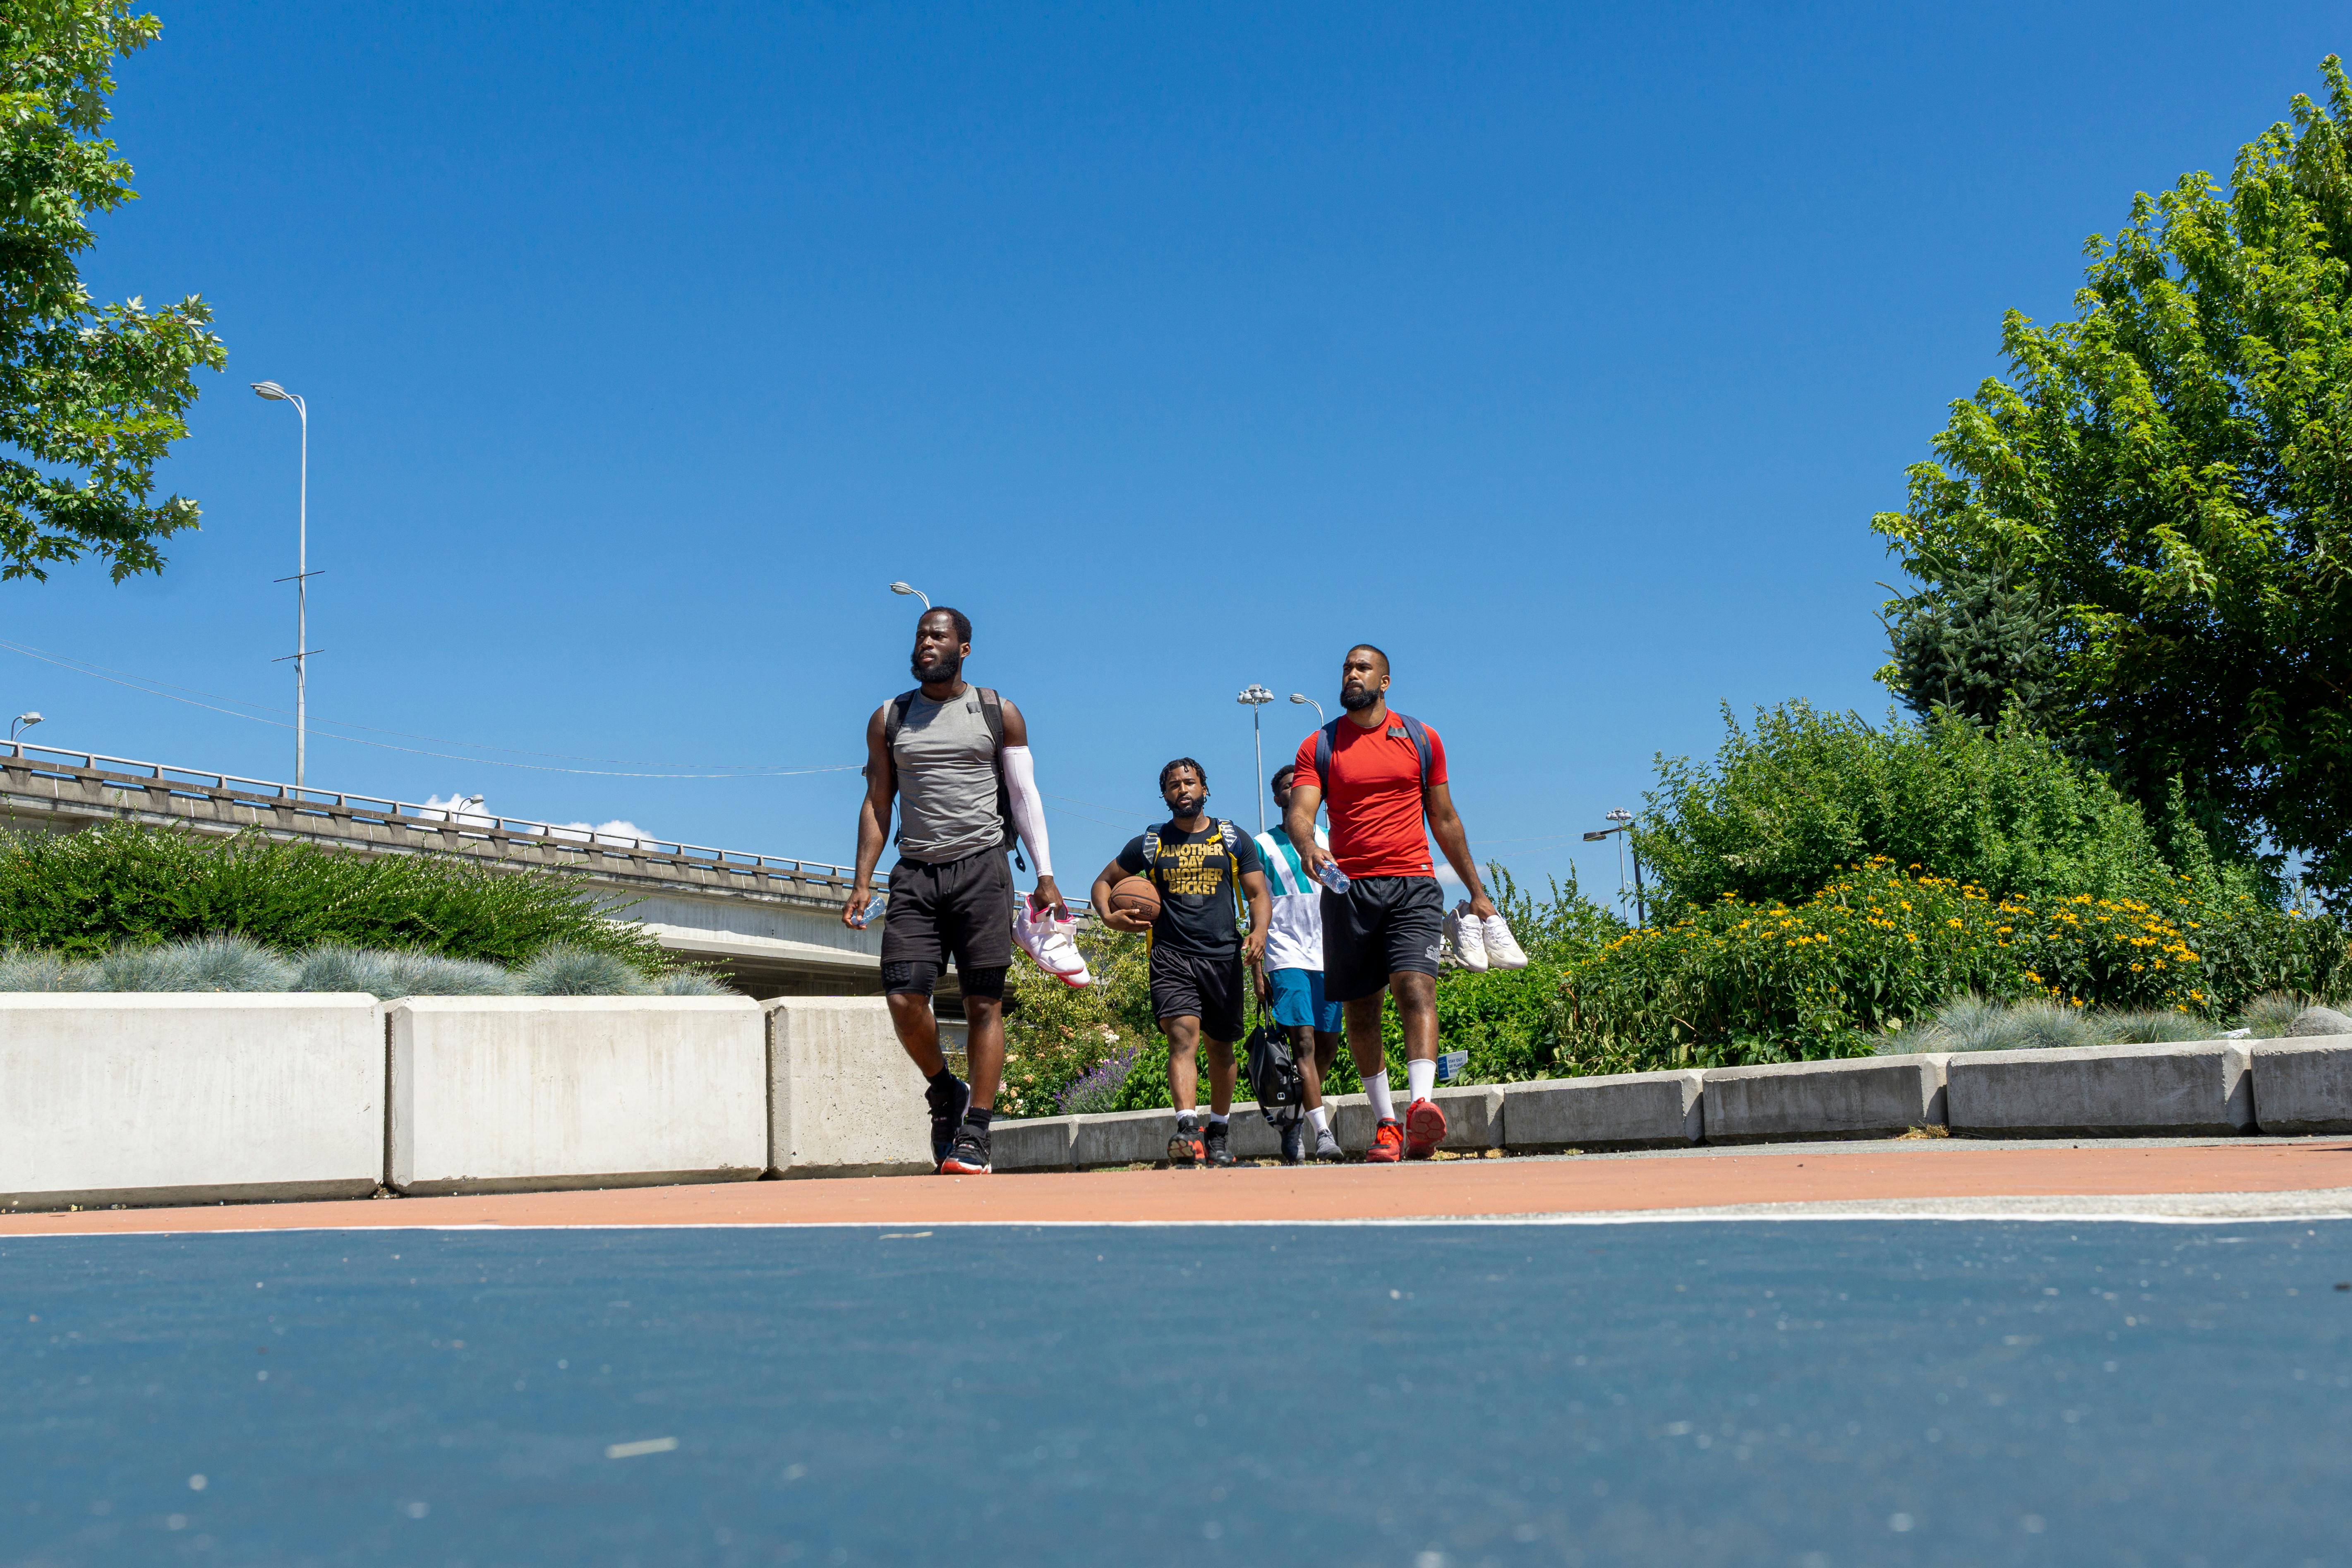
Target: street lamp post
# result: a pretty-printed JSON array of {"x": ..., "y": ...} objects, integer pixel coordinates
[
  {"x": 1625, "y": 828},
  {"x": 1257, "y": 697},
  {"x": 21, "y": 722},
  {"x": 918, "y": 593},
  {"x": 1302, "y": 696},
  {"x": 272, "y": 392}
]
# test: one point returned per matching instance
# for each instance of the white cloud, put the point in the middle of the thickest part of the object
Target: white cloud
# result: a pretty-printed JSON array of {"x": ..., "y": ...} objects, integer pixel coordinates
[
  {"x": 468, "y": 811},
  {"x": 464, "y": 809}
]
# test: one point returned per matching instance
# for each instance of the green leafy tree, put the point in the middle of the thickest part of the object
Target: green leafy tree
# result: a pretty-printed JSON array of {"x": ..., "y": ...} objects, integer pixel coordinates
[
  {"x": 91, "y": 396},
  {"x": 2172, "y": 474}
]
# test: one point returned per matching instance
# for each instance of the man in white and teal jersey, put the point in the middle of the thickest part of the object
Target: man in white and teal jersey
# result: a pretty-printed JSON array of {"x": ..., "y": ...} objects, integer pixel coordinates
[{"x": 1291, "y": 982}]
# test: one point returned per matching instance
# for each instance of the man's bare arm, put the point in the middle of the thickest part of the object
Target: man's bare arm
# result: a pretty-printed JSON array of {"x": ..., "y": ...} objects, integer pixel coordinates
[
  {"x": 1445, "y": 822},
  {"x": 1117, "y": 919},
  {"x": 873, "y": 821},
  {"x": 1298, "y": 821},
  {"x": 1261, "y": 910}
]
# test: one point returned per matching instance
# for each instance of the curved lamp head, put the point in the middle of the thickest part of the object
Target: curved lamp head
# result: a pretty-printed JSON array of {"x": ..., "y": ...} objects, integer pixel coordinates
[
  {"x": 272, "y": 391},
  {"x": 912, "y": 592}
]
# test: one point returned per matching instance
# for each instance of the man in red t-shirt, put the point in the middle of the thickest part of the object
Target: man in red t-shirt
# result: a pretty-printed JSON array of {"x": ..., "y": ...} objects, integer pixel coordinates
[{"x": 1383, "y": 933}]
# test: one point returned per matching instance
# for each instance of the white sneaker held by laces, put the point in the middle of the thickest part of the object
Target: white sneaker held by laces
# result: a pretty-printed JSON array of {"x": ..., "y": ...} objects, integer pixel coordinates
[
  {"x": 1050, "y": 943},
  {"x": 1503, "y": 951},
  {"x": 1464, "y": 933}
]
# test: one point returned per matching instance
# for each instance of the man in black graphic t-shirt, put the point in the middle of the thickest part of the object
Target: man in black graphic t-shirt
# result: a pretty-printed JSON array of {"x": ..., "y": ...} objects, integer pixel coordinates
[{"x": 1197, "y": 948}]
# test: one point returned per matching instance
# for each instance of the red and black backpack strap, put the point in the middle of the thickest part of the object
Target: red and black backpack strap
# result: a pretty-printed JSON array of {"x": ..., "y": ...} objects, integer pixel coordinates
[
  {"x": 1414, "y": 730},
  {"x": 1418, "y": 734}
]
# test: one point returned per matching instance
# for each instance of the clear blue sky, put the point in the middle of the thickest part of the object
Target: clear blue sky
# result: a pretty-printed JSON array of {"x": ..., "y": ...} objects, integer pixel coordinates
[{"x": 1563, "y": 351}]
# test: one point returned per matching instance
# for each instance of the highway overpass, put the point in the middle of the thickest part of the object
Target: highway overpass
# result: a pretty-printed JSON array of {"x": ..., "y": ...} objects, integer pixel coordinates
[{"x": 771, "y": 923}]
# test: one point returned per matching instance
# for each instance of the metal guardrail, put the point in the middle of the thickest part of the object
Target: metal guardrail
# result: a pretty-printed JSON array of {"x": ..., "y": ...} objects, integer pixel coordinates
[{"x": 399, "y": 813}]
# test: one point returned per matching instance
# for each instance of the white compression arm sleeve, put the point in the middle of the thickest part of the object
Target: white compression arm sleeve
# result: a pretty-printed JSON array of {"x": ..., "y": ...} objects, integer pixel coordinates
[{"x": 1028, "y": 805}]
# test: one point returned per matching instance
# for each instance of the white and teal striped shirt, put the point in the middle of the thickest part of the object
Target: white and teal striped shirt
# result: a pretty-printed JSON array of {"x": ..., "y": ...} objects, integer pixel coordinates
[{"x": 1294, "y": 938}]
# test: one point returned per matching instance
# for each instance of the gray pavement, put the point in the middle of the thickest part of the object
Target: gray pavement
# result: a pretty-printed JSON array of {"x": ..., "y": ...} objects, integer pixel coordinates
[{"x": 2058, "y": 1390}]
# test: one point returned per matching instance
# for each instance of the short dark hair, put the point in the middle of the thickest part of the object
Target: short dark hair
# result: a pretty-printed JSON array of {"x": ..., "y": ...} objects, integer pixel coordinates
[
  {"x": 956, "y": 618},
  {"x": 1168, "y": 768},
  {"x": 1283, "y": 775},
  {"x": 1375, "y": 652}
]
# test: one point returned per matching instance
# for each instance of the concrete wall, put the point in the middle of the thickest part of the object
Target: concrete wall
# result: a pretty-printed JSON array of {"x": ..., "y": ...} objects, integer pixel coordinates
[
  {"x": 503, "y": 1093},
  {"x": 1860, "y": 1097},
  {"x": 2303, "y": 1085},
  {"x": 1619, "y": 1111},
  {"x": 842, "y": 1098},
  {"x": 153, "y": 1098},
  {"x": 2114, "y": 1091}
]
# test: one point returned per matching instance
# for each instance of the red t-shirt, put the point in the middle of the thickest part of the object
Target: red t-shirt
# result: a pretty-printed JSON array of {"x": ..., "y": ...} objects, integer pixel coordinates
[{"x": 1374, "y": 797}]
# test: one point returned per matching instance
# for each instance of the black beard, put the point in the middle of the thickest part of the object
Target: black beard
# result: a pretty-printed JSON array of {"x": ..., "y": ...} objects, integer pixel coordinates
[
  {"x": 948, "y": 668},
  {"x": 1356, "y": 698}
]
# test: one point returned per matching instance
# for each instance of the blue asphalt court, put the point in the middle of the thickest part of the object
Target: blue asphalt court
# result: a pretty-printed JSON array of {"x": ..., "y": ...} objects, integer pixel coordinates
[{"x": 1812, "y": 1394}]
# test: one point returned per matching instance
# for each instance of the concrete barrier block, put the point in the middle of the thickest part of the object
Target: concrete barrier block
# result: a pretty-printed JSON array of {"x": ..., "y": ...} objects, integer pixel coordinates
[
  {"x": 514, "y": 1093},
  {"x": 1862, "y": 1097},
  {"x": 1616, "y": 1110},
  {"x": 2302, "y": 1085},
  {"x": 1122, "y": 1138},
  {"x": 1474, "y": 1116},
  {"x": 168, "y": 1099},
  {"x": 1043, "y": 1143},
  {"x": 2185, "y": 1090},
  {"x": 842, "y": 1098}
]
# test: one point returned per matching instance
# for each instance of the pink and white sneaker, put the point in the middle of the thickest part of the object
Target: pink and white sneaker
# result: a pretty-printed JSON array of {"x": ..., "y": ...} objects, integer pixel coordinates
[{"x": 1051, "y": 943}]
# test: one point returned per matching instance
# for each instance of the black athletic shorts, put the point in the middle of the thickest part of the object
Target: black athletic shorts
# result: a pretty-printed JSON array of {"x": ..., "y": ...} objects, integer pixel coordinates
[
  {"x": 1380, "y": 926},
  {"x": 1185, "y": 984},
  {"x": 957, "y": 909}
]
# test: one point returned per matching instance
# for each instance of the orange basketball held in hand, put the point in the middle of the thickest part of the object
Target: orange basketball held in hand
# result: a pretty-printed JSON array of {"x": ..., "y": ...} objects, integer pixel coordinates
[{"x": 1136, "y": 896}]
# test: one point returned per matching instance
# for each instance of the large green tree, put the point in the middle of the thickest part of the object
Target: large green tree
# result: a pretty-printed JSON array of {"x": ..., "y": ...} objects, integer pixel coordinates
[
  {"x": 91, "y": 396},
  {"x": 2170, "y": 475}
]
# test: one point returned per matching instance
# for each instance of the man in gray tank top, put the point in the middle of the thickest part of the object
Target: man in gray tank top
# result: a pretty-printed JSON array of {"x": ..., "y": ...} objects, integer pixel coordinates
[{"x": 955, "y": 759}]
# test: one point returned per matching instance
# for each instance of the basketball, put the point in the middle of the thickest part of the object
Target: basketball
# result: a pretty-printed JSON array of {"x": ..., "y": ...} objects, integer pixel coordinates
[{"x": 1136, "y": 896}]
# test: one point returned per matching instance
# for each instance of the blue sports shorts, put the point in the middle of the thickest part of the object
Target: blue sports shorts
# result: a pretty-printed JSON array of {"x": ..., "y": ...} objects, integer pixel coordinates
[{"x": 1298, "y": 1000}]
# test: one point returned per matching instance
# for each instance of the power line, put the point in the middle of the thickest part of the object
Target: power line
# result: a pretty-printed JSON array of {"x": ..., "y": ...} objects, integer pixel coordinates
[{"x": 150, "y": 687}]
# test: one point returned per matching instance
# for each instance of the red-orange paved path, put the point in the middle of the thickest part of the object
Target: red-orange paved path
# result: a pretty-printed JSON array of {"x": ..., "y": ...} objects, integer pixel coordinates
[{"x": 1446, "y": 1189}]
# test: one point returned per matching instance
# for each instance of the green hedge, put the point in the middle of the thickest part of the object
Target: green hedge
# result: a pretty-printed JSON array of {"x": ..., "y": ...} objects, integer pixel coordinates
[
  {"x": 1880, "y": 946},
  {"x": 86, "y": 894}
]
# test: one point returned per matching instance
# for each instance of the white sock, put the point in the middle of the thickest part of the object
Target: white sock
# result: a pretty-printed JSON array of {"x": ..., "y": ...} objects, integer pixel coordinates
[
  {"x": 1422, "y": 1077},
  {"x": 1377, "y": 1087},
  {"x": 1221, "y": 1117},
  {"x": 1321, "y": 1117}
]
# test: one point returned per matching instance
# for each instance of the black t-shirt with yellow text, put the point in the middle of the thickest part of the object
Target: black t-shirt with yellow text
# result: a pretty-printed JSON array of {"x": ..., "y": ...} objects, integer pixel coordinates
[{"x": 1197, "y": 875}]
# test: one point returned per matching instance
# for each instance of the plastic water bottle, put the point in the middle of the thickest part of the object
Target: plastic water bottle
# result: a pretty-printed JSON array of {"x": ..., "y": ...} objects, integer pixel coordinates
[
  {"x": 871, "y": 910},
  {"x": 1331, "y": 877}
]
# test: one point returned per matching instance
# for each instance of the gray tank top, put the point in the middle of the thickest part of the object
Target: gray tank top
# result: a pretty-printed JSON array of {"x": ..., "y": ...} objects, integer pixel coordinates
[{"x": 947, "y": 781}]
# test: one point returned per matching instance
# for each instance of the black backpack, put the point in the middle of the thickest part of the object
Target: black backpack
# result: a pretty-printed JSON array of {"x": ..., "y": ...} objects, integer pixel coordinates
[
  {"x": 992, "y": 713},
  {"x": 1273, "y": 1075}
]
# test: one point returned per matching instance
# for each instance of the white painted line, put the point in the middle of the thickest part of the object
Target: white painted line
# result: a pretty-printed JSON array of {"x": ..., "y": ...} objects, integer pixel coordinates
[
  {"x": 631, "y": 1450},
  {"x": 2189, "y": 1208}
]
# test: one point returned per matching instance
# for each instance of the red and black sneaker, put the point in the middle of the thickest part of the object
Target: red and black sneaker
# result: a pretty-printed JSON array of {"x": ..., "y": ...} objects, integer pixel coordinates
[
  {"x": 967, "y": 1153},
  {"x": 1185, "y": 1149},
  {"x": 1388, "y": 1143},
  {"x": 1424, "y": 1130}
]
